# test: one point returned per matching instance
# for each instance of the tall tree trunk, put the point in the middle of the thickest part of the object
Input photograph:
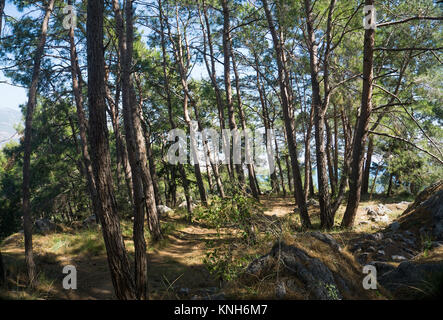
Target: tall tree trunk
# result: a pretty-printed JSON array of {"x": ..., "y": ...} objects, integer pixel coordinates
[
  {"x": 277, "y": 156},
  {"x": 288, "y": 171},
  {"x": 121, "y": 150},
  {"x": 366, "y": 172},
  {"x": 181, "y": 170},
  {"x": 241, "y": 114},
  {"x": 320, "y": 107},
  {"x": 32, "y": 101},
  {"x": 82, "y": 122},
  {"x": 100, "y": 156},
  {"x": 183, "y": 67},
  {"x": 227, "y": 77},
  {"x": 2, "y": 8},
  {"x": 308, "y": 172},
  {"x": 329, "y": 157},
  {"x": 210, "y": 67},
  {"x": 335, "y": 145},
  {"x": 361, "y": 132},
  {"x": 388, "y": 193},
  {"x": 286, "y": 99}
]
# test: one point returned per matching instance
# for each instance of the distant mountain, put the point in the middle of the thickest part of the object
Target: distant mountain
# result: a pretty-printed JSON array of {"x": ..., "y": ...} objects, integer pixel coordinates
[{"x": 8, "y": 119}]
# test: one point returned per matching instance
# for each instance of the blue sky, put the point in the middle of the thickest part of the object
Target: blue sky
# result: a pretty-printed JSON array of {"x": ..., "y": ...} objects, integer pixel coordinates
[{"x": 11, "y": 96}]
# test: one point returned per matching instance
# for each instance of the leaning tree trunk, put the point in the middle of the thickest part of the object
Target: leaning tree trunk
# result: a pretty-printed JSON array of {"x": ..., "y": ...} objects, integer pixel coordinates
[
  {"x": 100, "y": 155},
  {"x": 361, "y": 132},
  {"x": 32, "y": 101}
]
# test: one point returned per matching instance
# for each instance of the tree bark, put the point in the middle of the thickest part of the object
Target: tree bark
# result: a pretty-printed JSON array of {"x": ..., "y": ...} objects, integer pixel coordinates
[
  {"x": 366, "y": 172},
  {"x": 210, "y": 67},
  {"x": 228, "y": 86},
  {"x": 361, "y": 132},
  {"x": 82, "y": 122},
  {"x": 173, "y": 185},
  {"x": 32, "y": 101},
  {"x": 100, "y": 156},
  {"x": 2, "y": 8},
  {"x": 286, "y": 99},
  {"x": 320, "y": 108},
  {"x": 241, "y": 114}
]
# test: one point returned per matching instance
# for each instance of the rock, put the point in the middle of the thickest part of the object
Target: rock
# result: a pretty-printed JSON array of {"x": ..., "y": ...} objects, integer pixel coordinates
[
  {"x": 382, "y": 267},
  {"x": 370, "y": 249},
  {"x": 381, "y": 252},
  {"x": 183, "y": 291},
  {"x": 44, "y": 226},
  {"x": 409, "y": 251},
  {"x": 378, "y": 210},
  {"x": 363, "y": 258},
  {"x": 184, "y": 205},
  {"x": 398, "y": 258},
  {"x": 164, "y": 210},
  {"x": 259, "y": 265},
  {"x": 378, "y": 236},
  {"x": 394, "y": 226},
  {"x": 209, "y": 290},
  {"x": 317, "y": 278},
  {"x": 355, "y": 247},
  {"x": 409, "y": 275},
  {"x": 217, "y": 296},
  {"x": 409, "y": 234},
  {"x": 89, "y": 222},
  {"x": 326, "y": 238},
  {"x": 436, "y": 244},
  {"x": 280, "y": 290},
  {"x": 313, "y": 202}
]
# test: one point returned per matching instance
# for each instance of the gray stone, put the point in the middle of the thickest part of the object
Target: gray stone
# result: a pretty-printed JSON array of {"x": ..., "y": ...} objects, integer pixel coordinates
[
  {"x": 164, "y": 210},
  {"x": 89, "y": 221},
  {"x": 313, "y": 202},
  {"x": 398, "y": 258},
  {"x": 183, "y": 291},
  {"x": 43, "y": 226},
  {"x": 409, "y": 275},
  {"x": 382, "y": 267},
  {"x": 280, "y": 290},
  {"x": 370, "y": 249},
  {"x": 326, "y": 238},
  {"x": 394, "y": 226}
]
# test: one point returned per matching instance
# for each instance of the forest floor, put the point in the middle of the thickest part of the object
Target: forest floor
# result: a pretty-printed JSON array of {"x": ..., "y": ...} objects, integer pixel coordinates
[{"x": 176, "y": 267}]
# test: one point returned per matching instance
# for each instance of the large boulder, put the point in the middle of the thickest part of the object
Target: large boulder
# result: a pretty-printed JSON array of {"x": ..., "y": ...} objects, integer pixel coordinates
[
  {"x": 163, "y": 210},
  {"x": 44, "y": 226},
  {"x": 411, "y": 279},
  {"x": 425, "y": 214}
]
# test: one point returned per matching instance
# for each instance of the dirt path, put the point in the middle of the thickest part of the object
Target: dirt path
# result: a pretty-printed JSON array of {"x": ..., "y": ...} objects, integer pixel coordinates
[
  {"x": 278, "y": 206},
  {"x": 176, "y": 268}
]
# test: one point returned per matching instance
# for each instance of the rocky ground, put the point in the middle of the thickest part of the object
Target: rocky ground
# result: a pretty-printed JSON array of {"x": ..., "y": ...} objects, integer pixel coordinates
[{"x": 403, "y": 240}]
